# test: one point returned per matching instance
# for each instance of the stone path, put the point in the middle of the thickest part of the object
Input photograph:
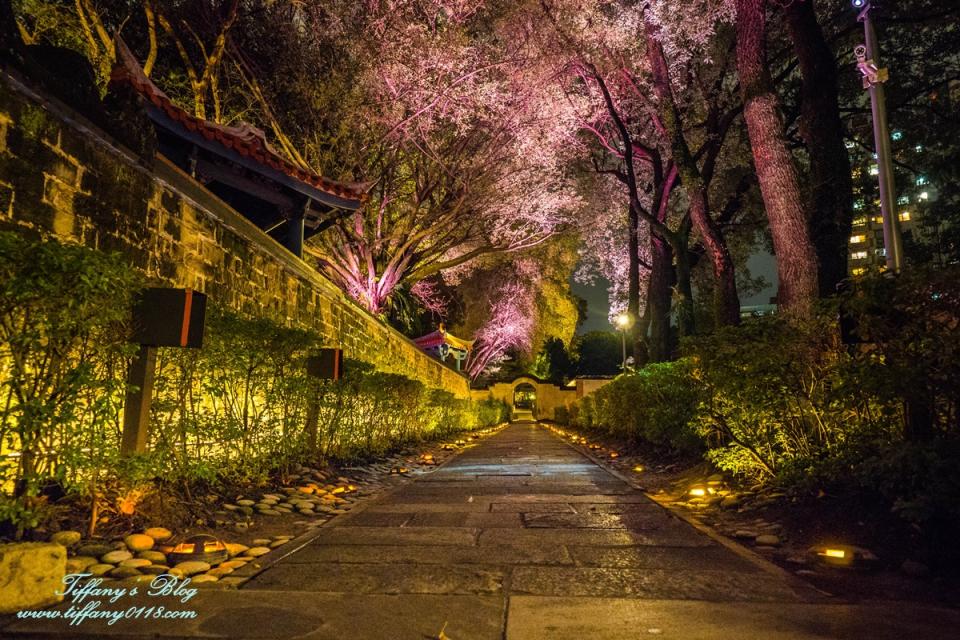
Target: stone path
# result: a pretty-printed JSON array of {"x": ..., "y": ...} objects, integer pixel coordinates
[{"x": 521, "y": 537}]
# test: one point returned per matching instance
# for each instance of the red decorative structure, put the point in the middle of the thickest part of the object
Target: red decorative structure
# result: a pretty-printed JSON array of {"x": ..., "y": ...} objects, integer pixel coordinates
[
  {"x": 239, "y": 166},
  {"x": 442, "y": 345}
]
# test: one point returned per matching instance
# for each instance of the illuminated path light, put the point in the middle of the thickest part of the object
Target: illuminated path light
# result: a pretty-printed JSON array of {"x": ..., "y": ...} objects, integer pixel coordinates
[{"x": 520, "y": 537}]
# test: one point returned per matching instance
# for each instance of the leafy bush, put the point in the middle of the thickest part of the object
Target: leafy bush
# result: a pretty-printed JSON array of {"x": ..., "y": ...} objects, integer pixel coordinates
[
  {"x": 62, "y": 315},
  {"x": 492, "y": 412},
  {"x": 653, "y": 405},
  {"x": 233, "y": 411}
]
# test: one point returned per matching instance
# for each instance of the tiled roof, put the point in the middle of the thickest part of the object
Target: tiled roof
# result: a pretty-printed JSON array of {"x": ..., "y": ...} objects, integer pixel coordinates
[{"x": 245, "y": 140}]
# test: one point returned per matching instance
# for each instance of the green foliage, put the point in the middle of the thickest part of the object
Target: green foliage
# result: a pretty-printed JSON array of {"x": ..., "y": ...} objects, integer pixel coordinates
[
  {"x": 654, "y": 405},
  {"x": 553, "y": 363},
  {"x": 492, "y": 412},
  {"x": 62, "y": 315},
  {"x": 233, "y": 411}
]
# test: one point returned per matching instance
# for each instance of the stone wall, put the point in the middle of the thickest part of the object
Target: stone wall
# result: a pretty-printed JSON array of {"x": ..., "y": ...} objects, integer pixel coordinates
[{"x": 62, "y": 176}]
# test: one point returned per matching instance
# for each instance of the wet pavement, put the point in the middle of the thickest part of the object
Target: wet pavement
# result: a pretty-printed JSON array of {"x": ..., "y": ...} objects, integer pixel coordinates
[{"x": 520, "y": 537}]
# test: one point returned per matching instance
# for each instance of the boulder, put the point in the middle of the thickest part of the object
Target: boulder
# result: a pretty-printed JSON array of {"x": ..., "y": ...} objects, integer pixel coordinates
[{"x": 31, "y": 574}]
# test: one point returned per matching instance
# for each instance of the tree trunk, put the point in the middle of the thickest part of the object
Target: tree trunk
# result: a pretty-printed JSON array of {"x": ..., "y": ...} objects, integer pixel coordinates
[
  {"x": 637, "y": 332},
  {"x": 726, "y": 301},
  {"x": 831, "y": 185},
  {"x": 776, "y": 173},
  {"x": 658, "y": 298}
]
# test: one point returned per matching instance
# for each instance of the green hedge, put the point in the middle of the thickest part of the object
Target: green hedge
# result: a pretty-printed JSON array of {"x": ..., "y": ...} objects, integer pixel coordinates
[
  {"x": 654, "y": 405},
  {"x": 233, "y": 411}
]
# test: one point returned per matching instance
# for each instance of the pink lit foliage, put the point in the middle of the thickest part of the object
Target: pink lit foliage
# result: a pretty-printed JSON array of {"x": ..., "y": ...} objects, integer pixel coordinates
[
  {"x": 511, "y": 319},
  {"x": 466, "y": 147},
  {"x": 429, "y": 296}
]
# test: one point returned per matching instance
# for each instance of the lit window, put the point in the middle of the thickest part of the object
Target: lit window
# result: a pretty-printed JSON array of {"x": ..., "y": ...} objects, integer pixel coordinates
[
  {"x": 897, "y": 135},
  {"x": 849, "y": 144},
  {"x": 858, "y": 255},
  {"x": 924, "y": 195},
  {"x": 904, "y": 216},
  {"x": 859, "y": 222},
  {"x": 858, "y": 271},
  {"x": 881, "y": 252},
  {"x": 874, "y": 170},
  {"x": 921, "y": 180},
  {"x": 878, "y": 220},
  {"x": 857, "y": 239},
  {"x": 858, "y": 204},
  {"x": 918, "y": 148},
  {"x": 903, "y": 200}
]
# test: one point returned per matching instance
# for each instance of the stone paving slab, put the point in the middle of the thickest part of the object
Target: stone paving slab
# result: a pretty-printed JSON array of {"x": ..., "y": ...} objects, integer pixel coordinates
[
  {"x": 477, "y": 520},
  {"x": 543, "y": 618},
  {"x": 440, "y": 536},
  {"x": 674, "y": 537},
  {"x": 633, "y": 520},
  {"x": 502, "y": 555},
  {"x": 384, "y": 578},
  {"x": 697, "y": 584},
  {"x": 673, "y": 558},
  {"x": 279, "y": 615}
]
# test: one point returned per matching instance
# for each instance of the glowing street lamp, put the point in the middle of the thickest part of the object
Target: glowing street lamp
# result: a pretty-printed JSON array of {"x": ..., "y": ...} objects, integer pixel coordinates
[{"x": 623, "y": 323}]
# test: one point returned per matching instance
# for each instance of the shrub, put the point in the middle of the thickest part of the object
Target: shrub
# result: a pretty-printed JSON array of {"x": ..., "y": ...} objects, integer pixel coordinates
[
  {"x": 653, "y": 405},
  {"x": 492, "y": 412},
  {"x": 233, "y": 411},
  {"x": 62, "y": 349}
]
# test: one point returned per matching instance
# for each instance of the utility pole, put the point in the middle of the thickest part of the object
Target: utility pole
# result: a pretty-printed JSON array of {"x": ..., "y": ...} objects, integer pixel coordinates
[{"x": 868, "y": 63}]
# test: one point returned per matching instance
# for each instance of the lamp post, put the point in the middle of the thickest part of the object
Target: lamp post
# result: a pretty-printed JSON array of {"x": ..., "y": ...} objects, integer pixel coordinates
[
  {"x": 623, "y": 323},
  {"x": 868, "y": 61}
]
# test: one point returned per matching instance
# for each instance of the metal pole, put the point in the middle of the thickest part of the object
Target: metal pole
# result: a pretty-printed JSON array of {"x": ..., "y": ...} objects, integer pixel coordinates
[{"x": 874, "y": 77}]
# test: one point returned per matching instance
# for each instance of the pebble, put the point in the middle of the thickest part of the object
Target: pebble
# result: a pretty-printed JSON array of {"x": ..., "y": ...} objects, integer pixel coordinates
[
  {"x": 153, "y": 556},
  {"x": 136, "y": 563},
  {"x": 123, "y": 572},
  {"x": 767, "y": 540},
  {"x": 155, "y": 569},
  {"x": 77, "y": 564},
  {"x": 116, "y": 557},
  {"x": 270, "y": 512},
  {"x": 192, "y": 567},
  {"x": 730, "y": 501},
  {"x": 233, "y": 564},
  {"x": 220, "y": 571},
  {"x": 206, "y": 577},
  {"x": 744, "y": 533},
  {"x": 256, "y": 552},
  {"x": 99, "y": 569},
  {"x": 159, "y": 533},
  {"x": 278, "y": 543},
  {"x": 235, "y": 549},
  {"x": 139, "y": 542},
  {"x": 246, "y": 503},
  {"x": 66, "y": 538},
  {"x": 95, "y": 550}
]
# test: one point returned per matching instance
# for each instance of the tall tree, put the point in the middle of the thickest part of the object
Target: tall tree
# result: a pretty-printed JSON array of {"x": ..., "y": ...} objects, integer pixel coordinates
[
  {"x": 776, "y": 172},
  {"x": 830, "y": 189}
]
